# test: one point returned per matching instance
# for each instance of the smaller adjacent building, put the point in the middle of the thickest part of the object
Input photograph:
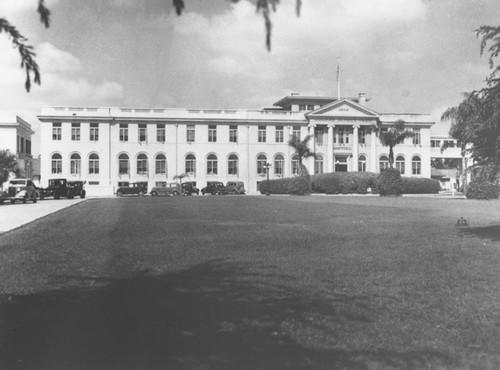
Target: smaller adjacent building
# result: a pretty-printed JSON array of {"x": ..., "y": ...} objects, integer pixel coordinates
[{"x": 15, "y": 135}]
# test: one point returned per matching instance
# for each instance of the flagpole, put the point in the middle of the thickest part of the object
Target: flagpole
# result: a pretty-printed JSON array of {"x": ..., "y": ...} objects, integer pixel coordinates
[{"x": 338, "y": 78}]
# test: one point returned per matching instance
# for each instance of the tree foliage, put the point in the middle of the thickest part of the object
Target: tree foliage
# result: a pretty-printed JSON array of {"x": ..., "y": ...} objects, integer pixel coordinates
[
  {"x": 8, "y": 164},
  {"x": 28, "y": 62},
  {"x": 392, "y": 136},
  {"x": 302, "y": 150},
  {"x": 476, "y": 120}
]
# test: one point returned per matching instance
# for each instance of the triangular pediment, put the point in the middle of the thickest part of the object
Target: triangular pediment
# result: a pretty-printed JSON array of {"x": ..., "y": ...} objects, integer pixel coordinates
[{"x": 343, "y": 108}]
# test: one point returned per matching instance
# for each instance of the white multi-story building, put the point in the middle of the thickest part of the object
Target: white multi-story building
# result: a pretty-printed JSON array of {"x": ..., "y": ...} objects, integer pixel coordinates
[
  {"x": 109, "y": 147},
  {"x": 15, "y": 136}
]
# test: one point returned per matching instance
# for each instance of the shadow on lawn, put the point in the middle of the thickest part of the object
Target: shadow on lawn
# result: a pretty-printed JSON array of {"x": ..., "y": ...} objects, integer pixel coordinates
[
  {"x": 491, "y": 232},
  {"x": 213, "y": 316}
]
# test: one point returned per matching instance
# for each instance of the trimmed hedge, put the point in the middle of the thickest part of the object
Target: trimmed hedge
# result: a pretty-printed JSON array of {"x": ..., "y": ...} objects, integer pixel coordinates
[
  {"x": 348, "y": 183},
  {"x": 481, "y": 189},
  {"x": 300, "y": 185},
  {"x": 389, "y": 183},
  {"x": 420, "y": 185},
  {"x": 344, "y": 182}
]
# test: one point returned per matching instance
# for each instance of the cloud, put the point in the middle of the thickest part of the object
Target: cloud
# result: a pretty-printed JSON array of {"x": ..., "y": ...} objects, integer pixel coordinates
[
  {"x": 63, "y": 82},
  {"x": 52, "y": 59}
]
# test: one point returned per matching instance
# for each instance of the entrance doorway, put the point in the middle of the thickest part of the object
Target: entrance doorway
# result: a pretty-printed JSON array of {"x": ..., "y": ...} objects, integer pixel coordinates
[{"x": 340, "y": 163}]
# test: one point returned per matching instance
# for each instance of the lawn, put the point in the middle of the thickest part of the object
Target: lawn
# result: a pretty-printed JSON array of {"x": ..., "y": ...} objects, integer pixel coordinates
[{"x": 319, "y": 282}]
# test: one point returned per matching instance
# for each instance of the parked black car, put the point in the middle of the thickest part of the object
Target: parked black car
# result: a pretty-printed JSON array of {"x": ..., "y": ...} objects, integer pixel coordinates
[
  {"x": 78, "y": 189},
  {"x": 189, "y": 188},
  {"x": 135, "y": 188},
  {"x": 58, "y": 188},
  {"x": 214, "y": 187}
]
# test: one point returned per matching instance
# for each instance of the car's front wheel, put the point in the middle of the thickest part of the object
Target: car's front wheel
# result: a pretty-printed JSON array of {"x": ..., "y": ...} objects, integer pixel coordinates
[
  {"x": 141, "y": 194},
  {"x": 82, "y": 194},
  {"x": 154, "y": 194},
  {"x": 119, "y": 194},
  {"x": 175, "y": 193}
]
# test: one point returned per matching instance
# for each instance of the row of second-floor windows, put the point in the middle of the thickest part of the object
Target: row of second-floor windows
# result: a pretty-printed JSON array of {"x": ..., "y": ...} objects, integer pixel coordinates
[
  {"x": 445, "y": 144},
  {"x": 142, "y": 133},
  {"x": 23, "y": 145},
  {"x": 343, "y": 136}
]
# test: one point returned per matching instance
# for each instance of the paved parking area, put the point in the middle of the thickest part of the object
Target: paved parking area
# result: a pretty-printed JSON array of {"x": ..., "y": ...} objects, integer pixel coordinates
[{"x": 13, "y": 216}]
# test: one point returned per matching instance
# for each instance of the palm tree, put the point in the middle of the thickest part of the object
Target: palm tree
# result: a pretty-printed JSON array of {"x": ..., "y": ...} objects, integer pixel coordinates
[
  {"x": 392, "y": 136},
  {"x": 180, "y": 177},
  {"x": 302, "y": 150}
]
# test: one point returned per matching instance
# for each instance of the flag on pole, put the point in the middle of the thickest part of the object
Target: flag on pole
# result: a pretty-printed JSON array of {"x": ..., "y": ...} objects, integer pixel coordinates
[{"x": 338, "y": 78}]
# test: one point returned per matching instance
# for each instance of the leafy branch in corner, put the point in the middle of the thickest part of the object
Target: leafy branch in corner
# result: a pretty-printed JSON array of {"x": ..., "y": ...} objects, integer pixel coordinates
[{"x": 26, "y": 52}]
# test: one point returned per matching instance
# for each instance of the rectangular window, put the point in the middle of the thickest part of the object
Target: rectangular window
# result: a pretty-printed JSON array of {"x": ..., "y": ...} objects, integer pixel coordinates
[
  {"x": 310, "y": 107},
  {"x": 142, "y": 133},
  {"x": 362, "y": 136},
  {"x": 160, "y": 133},
  {"x": 28, "y": 146},
  {"x": 94, "y": 132},
  {"x": 262, "y": 134},
  {"x": 416, "y": 137},
  {"x": 341, "y": 136},
  {"x": 415, "y": 168},
  {"x": 22, "y": 145},
  {"x": 279, "y": 134},
  {"x": 93, "y": 166},
  {"x": 212, "y": 133},
  {"x": 123, "y": 132},
  {"x": 296, "y": 132},
  {"x": 190, "y": 133},
  {"x": 233, "y": 134},
  {"x": 232, "y": 167},
  {"x": 75, "y": 166},
  {"x": 161, "y": 184},
  {"x": 56, "y": 165},
  {"x": 319, "y": 136},
  {"x": 123, "y": 184},
  {"x": 18, "y": 145},
  {"x": 93, "y": 182},
  {"x": 56, "y": 131},
  {"x": 302, "y": 107},
  {"x": 75, "y": 132}
]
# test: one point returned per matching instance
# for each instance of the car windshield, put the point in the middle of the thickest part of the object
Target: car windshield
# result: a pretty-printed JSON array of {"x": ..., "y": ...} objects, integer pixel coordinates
[{"x": 18, "y": 182}]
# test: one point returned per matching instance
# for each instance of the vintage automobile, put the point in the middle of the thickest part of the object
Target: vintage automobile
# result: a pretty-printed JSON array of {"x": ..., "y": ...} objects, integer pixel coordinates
[
  {"x": 58, "y": 188},
  {"x": 189, "y": 188},
  {"x": 77, "y": 188},
  {"x": 22, "y": 190},
  {"x": 213, "y": 187},
  {"x": 136, "y": 188},
  {"x": 171, "y": 189},
  {"x": 235, "y": 187}
]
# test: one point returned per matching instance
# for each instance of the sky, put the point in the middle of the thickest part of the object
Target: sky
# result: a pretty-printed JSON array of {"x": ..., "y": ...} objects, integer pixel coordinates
[{"x": 408, "y": 56}]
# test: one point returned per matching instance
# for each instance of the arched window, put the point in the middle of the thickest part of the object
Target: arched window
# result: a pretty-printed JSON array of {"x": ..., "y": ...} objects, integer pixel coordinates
[
  {"x": 142, "y": 164},
  {"x": 56, "y": 163},
  {"x": 161, "y": 164},
  {"x": 383, "y": 163},
  {"x": 318, "y": 164},
  {"x": 295, "y": 165},
  {"x": 416, "y": 165},
  {"x": 190, "y": 164},
  {"x": 123, "y": 164},
  {"x": 93, "y": 164},
  {"x": 212, "y": 164},
  {"x": 261, "y": 164},
  {"x": 75, "y": 164},
  {"x": 400, "y": 164},
  {"x": 279, "y": 164},
  {"x": 232, "y": 165},
  {"x": 362, "y": 163}
]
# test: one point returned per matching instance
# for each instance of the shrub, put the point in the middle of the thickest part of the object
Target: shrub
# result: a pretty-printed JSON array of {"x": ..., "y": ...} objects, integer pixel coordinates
[
  {"x": 481, "y": 189},
  {"x": 300, "y": 185},
  {"x": 419, "y": 185},
  {"x": 344, "y": 182},
  {"x": 389, "y": 183}
]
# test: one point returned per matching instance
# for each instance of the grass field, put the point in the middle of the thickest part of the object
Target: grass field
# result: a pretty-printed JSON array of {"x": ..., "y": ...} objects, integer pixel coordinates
[{"x": 254, "y": 283}]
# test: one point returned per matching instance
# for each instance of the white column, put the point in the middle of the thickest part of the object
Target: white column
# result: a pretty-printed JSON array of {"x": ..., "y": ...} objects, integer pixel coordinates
[
  {"x": 329, "y": 161},
  {"x": 355, "y": 149},
  {"x": 310, "y": 161},
  {"x": 373, "y": 152}
]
